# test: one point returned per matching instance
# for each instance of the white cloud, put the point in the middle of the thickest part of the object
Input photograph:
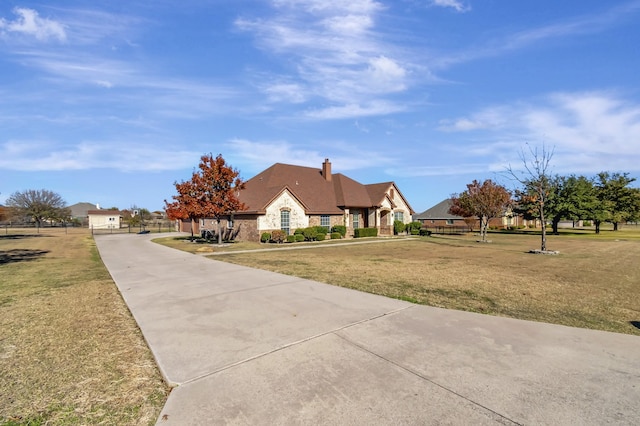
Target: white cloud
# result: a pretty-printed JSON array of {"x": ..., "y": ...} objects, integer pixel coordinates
[
  {"x": 262, "y": 154},
  {"x": 582, "y": 25},
  {"x": 37, "y": 156},
  {"x": 591, "y": 131},
  {"x": 454, "y": 4},
  {"x": 29, "y": 23},
  {"x": 334, "y": 6},
  {"x": 336, "y": 56},
  {"x": 355, "y": 110}
]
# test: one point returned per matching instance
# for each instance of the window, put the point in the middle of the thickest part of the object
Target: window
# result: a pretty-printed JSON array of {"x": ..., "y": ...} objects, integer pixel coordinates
[
  {"x": 230, "y": 223},
  {"x": 356, "y": 220},
  {"x": 284, "y": 221},
  {"x": 399, "y": 216},
  {"x": 325, "y": 221},
  {"x": 449, "y": 221}
]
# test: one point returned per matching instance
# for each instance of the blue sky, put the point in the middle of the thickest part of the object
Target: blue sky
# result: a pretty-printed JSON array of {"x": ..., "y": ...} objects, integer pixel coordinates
[{"x": 111, "y": 102}]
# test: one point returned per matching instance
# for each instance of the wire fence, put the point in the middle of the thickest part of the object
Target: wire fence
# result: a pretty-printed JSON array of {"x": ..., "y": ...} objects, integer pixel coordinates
[{"x": 9, "y": 230}]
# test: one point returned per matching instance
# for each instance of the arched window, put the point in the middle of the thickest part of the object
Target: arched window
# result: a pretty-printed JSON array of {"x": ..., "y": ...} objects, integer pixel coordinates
[{"x": 284, "y": 221}]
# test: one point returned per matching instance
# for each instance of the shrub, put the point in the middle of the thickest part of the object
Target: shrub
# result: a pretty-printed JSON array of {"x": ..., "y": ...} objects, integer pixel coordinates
[
  {"x": 291, "y": 238},
  {"x": 425, "y": 232},
  {"x": 299, "y": 238},
  {"x": 278, "y": 236},
  {"x": 415, "y": 232},
  {"x": 320, "y": 230},
  {"x": 365, "y": 232},
  {"x": 586, "y": 223},
  {"x": 309, "y": 234},
  {"x": 265, "y": 237},
  {"x": 398, "y": 227},
  {"x": 414, "y": 226},
  {"x": 336, "y": 236},
  {"x": 341, "y": 229},
  {"x": 298, "y": 231},
  {"x": 320, "y": 237}
]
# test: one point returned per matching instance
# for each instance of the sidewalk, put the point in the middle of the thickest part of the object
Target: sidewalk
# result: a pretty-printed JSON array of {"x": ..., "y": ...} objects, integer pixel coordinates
[{"x": 245, "y": 346}]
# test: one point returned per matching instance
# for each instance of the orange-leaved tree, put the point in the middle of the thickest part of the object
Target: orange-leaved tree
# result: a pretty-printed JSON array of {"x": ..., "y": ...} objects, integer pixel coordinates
[
  {"x": 219, "y": 185},
  {"x": 212, "y": 192},
  {"x": 484, "y": 200},
  {"x": 185, "y": 205}
]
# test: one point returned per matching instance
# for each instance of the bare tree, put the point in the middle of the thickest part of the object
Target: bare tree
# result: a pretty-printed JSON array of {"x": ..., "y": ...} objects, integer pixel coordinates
[
  {"x": 38, "y": 204},
  {"x": 538, "y": 186}
]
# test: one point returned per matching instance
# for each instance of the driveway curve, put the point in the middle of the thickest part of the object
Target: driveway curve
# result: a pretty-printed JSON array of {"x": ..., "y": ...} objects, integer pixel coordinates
[{"x": 246, "y": 346}]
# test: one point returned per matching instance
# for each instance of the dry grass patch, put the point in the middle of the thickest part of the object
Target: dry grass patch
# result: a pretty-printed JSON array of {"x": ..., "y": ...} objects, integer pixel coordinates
[
  {"x": 70, "y": 352},
  {"x": 593, "y": 283}
]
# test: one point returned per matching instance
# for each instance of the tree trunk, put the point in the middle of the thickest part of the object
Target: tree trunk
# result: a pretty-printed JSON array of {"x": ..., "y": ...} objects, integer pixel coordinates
[
  {"x": 554, "y": 224},
  {"x": 615, "y": 226},
  {"x": 543, "y": 241},
  {"x": 219, "y": 232}
]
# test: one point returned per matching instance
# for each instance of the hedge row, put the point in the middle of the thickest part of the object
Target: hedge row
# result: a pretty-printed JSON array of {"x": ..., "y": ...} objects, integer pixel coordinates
[{"x": 365, "y": 232}]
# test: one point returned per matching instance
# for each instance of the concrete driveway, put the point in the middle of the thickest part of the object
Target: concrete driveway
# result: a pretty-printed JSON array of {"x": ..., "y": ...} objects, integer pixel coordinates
[{"x": 246, "y": 346}]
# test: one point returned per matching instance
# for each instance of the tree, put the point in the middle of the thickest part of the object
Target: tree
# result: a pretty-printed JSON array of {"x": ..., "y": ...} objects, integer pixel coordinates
[
  {"x": 620, "y": 201},
  {"x": 219, "y": 187},
  {"x": 212, "y": 192},
  {"x": 39, "y": 205},
  {"x": 185, "y": 205},
  {"x": 485, "y": 201},
  {"x": 574, "y": 199},
  {"x": 538, "y": 185}
]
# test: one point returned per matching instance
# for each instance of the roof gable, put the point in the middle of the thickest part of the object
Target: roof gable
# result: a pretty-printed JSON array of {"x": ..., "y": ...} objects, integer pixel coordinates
[
  {"x": 308, "y": 185},
  {"x": 304, "y": 183},
  {"x": 439, "y": 211}
]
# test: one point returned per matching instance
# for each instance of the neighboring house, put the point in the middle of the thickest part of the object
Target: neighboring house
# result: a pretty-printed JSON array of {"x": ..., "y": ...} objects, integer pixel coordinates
[
  {"x": 289, "y": 197},
  {"x": 104, "y": 219},
  {"x": 79, "y": 212},
  {"x": 438, "y": 216}
]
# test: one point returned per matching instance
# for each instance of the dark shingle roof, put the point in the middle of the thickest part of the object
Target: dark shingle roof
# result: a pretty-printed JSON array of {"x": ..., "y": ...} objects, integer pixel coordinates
[{"x": 439, "y": 211}]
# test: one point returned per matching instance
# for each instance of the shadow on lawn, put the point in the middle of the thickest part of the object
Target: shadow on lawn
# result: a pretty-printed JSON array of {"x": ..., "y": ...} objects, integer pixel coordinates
[
  {"x": 20, "y": 236},
  {"x": 20, "y": 255},
  {"x": 636, "y": 324}
]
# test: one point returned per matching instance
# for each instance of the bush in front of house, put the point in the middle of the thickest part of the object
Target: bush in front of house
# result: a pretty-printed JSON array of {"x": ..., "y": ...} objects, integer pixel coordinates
[
  {"x": 278, "y": 236},
  {"x": 309, "y": 234},
  {"x": 320, "y": 237},
  {"x": 341, "y": 229},
  {"x": 265, "y": 237},
  {"x": 414, "y": 226},
  {"x": 398, "y": 227},
  {"x": 291, "y": 238},
  {"x": 425, "y": 233},
  {"x": 365, "y": 232},
  {"x": 299, "y": 238},
  {"x": 336, "y": 236}
]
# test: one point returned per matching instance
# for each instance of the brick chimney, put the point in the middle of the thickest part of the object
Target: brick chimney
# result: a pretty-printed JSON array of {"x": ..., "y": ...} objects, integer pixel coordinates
[{"x": 326, "y": 170}]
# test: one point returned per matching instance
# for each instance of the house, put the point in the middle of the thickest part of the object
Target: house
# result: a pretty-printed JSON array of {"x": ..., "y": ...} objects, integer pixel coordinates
[
  {"x": 438, "y": 216},
  {"x": 79, "y": 212},
  {"x": 288, "y": 197},
  {"x": 104, "y": 219}
]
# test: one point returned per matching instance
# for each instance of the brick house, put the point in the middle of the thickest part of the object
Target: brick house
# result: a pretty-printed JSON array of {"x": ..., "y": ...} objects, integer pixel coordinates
[
  {"x": 288, "y": 197},
  {"x": 438, "y": 216}
]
